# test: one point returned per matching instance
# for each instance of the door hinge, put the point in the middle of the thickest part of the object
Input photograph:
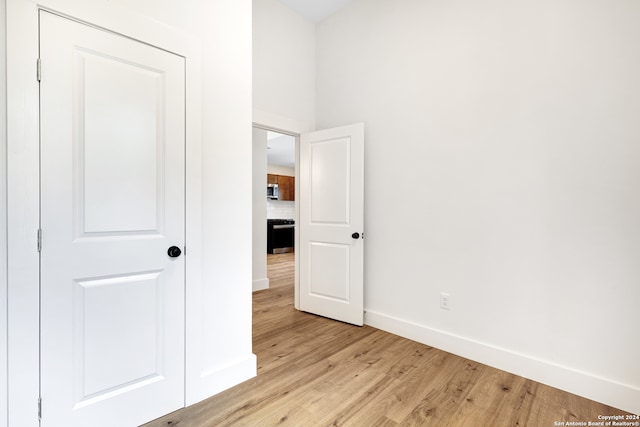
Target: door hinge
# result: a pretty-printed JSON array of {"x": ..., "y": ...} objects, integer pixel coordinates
[
  {"x": 39, "y": 239},
  {"x": 39, "y": 408},
  {"x": 39, "y": 70}
]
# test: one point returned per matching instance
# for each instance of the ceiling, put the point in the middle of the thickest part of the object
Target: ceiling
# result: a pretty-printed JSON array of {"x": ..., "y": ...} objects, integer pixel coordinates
[
  {"x": 281, "y": 149},
  {"x": 315, "y": 10}
]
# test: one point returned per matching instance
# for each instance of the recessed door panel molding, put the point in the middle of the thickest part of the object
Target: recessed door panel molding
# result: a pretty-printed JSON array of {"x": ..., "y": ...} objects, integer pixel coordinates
[
  {"x": 114, "y": 355},
  {"x": 330, "y": 169},
  {"x": 112, "y": 204},
  {"x": 120, "y": 168},
  {"x": 331, "y": 223},
  {"x": 329, "y": 272}
]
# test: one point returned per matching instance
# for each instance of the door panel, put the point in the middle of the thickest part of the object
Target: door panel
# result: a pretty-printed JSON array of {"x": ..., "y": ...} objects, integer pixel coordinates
[
  {"x": 112, "y": 203},
  {"x": 113, "y": 91},
  {"x": 118, "y": 354},
  {"x": 331, "y": 211},
  {"x": 330, "y": 271},
  {"x": 330, "y": 181}
]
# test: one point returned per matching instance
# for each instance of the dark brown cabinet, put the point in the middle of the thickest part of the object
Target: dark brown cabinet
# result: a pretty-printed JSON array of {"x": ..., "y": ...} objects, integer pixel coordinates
[{"x": 286, "y": 186}]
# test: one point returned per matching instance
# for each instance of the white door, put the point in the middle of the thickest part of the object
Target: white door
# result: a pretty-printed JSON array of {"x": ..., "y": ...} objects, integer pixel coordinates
[
  {"x": 331, "y": 222},
  {"x": 112, "y": 203}
]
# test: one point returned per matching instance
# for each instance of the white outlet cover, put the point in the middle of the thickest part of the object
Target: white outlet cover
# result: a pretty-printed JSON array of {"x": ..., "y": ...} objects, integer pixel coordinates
[{"x": 445, "y": 301}]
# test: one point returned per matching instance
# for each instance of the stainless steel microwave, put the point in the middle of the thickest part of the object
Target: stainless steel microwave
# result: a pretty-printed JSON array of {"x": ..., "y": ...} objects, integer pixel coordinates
[{"x": 272, "y": 191}]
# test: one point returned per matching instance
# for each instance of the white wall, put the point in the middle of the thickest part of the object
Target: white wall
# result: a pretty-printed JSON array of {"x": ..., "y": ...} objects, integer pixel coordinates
[
  {"x": 281, "y": 170},
  {"x": 224, "y": 26},
  {"x": 283, "y": 67},
  {"x": 502, "y": 167},
  {"x": 260, "y": 279},
  {"x": 283, "y": 76},
  {"x": 227, "y": 209},
  {"x": 219, "y": 352},
  {"x": 3, "y": 221}
]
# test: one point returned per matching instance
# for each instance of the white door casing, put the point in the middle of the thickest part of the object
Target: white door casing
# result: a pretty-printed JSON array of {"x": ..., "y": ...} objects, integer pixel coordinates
[
  {"x": 112, "y": 202},
  {"x": 331, "y": 250}
]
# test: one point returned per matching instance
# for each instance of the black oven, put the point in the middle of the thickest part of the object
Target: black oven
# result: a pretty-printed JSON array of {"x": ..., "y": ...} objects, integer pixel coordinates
[{"x": 280, "y": 235}]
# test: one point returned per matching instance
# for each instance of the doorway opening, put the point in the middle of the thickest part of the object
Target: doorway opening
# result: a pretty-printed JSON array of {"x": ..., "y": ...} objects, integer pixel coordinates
[
  {"x": 328, "y": 218},
  {"x": 275, "y": 210},
  {"x": 281, "y": 210}
]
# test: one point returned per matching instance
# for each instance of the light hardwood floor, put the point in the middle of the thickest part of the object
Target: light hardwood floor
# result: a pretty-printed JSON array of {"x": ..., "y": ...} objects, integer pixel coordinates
[{"x": 314, "y": 371}]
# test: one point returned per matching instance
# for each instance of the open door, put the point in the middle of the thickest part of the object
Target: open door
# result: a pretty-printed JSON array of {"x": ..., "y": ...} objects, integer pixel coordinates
[{"x": 331, "y": 251}]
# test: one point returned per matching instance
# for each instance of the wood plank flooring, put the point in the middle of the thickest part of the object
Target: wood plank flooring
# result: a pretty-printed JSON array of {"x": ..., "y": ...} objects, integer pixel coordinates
[{"x": 317, "y": 372}]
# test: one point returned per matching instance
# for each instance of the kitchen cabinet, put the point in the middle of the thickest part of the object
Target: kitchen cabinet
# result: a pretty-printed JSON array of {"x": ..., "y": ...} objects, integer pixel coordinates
[{"x": 286, "y": 186}]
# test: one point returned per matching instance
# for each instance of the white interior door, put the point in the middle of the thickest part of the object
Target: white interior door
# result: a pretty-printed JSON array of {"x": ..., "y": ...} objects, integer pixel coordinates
[
  {"x": 112, "y": 203},
  {"x": 331, "y": 222}
]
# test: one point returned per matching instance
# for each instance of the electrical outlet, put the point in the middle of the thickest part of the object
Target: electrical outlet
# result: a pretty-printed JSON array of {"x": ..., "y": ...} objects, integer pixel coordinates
[{"x": 445, "y": 301}]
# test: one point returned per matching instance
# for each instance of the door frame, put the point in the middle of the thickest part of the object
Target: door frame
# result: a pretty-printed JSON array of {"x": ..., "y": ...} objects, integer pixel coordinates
[
  {"x": 23, "y": 208},
  {"x": 296, "y": 135}
]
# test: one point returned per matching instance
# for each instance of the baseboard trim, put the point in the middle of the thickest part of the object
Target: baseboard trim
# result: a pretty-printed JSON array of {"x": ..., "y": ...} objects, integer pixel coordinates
[
  {"x": 224, "y": 377},
  {"x": 618, "y": 395},
  {"x": 260, "y": 284}
]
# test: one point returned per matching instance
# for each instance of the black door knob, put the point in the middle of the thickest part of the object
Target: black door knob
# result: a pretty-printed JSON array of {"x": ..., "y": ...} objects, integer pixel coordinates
[
  {"x": 174, "y": 252},
  {"x": 356, "y": 235}
]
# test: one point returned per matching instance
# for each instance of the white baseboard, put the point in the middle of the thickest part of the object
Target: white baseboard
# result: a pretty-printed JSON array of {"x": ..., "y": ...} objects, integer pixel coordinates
[
  {"x": 224, "y": 377},
  {"x": 260, "y": 284},
  {"x": 621, "y": 396}
]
